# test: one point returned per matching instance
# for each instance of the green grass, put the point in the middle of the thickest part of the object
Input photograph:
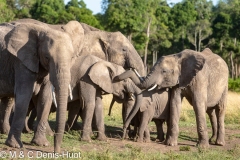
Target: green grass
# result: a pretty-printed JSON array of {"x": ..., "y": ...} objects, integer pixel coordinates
[{"x": 115, "y": 149}]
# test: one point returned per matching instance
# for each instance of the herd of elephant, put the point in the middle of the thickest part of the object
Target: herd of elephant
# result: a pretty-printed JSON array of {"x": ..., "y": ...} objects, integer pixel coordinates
[{"x": 73, "y": 65}]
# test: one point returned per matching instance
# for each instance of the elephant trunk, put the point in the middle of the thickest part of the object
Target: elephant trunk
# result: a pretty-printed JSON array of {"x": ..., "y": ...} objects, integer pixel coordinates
[
  {"x": 134, "y": 111},
  {"x": 111, "y": 105},
  {"x": 61, "y": 81},
  {"x": 146, "y": 83},
  {"x": 136, "y": 63}
]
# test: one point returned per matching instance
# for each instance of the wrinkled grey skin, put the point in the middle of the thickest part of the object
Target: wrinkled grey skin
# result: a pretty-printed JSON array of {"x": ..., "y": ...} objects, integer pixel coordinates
[
  {"x": 201, "y": 77},
  {"x": 6, "y": 107},
  {"x": 33, "y": 51},
  {"x": 92, "y": 76},
  {"x": 110, "y": 46},
  {"x": 155, "y": 106}
]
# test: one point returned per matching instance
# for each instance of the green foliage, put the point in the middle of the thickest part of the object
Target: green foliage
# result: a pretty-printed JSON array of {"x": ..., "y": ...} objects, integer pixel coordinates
[
  {"x": 6, "y": 14},
  {"x": 234, "y": 85}
]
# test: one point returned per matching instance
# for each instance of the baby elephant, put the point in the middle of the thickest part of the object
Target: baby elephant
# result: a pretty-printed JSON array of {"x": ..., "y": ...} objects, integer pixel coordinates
[{"x": 154, "y": 106}]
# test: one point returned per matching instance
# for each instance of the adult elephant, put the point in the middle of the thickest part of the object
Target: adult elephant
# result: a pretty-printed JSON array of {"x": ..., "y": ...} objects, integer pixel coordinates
[
  {"x": 201, "y": 77},
  {"x": 28, "y": 53}
]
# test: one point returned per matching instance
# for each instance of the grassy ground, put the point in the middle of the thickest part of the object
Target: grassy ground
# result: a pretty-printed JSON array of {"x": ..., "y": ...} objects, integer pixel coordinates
[{"x": 115, "y": 148}]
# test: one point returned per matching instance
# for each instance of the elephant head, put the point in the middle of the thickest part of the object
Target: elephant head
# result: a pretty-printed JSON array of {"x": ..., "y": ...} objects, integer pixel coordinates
[
  {"x": 42, "y": 49},
  {"x": 103, "y": 73},
  {"x": 168, "y": 71},
  {"x": 113, "y": 47}
]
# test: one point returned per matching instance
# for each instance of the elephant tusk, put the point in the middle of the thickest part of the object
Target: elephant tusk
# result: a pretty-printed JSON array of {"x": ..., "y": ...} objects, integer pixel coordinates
[
  {"x": 54, "y": 96},
  {"x": 152, "y": 87},
  {"x": 70, "y": 92},
  {"x": 137, "y": 74}
]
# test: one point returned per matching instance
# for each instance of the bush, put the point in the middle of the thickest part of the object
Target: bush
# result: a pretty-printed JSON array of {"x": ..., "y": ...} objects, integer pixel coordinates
[{"x": 234, "y": 85}]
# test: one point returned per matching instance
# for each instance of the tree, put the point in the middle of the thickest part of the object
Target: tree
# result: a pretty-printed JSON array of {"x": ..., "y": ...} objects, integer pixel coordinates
[
  {"x": 182, "y": 15},
  {"x": 82, "y": 14},
  {"x": 48, "y": 11},
  {"x": 126, "y": 16},
  {"x": 6, "y": 14}
]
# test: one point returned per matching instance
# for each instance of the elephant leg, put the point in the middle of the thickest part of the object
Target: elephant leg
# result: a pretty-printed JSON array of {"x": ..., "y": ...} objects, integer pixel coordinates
[
  {"x": 73, "y": 111},
  {"x": 220, "y": 114},
  {"x": 98, "y": 114},
  {"x": 213, "y": 119},
  {"x": 147, "y": 135},
  {"x": 44, "y": 102},
  {"x": 160, "y": 133},
  {"x": 5, "y": 112},
  {"x": 135, "y": 126},
  {"x": 175, "y": 109},
  {"x": 143, "y": 125},
  {"x": 24, "y": 86},
  {"x": 88, "y": 111},
  {"x": 199, "y": 105}
]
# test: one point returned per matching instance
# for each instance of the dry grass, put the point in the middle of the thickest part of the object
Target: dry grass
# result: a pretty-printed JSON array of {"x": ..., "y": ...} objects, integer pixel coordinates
[{"x": 232, "y": 111}]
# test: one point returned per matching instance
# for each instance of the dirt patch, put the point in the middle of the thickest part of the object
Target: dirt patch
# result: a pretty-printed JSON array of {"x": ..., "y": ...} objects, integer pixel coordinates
[{"x": 187, "y": 139}]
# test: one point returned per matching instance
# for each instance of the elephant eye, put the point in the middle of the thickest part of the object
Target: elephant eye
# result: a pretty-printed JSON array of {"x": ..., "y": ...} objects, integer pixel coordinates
[
  {"x": 164, "y": 71},
  {"x": 124, "y": 49}
]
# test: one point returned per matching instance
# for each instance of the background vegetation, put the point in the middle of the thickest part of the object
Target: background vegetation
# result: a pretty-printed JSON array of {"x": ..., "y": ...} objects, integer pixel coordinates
[{"x": 155, "y": 27}]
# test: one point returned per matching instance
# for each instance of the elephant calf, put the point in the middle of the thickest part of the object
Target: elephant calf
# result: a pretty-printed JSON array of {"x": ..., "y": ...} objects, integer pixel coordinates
[{"x": 154, "y": 106}]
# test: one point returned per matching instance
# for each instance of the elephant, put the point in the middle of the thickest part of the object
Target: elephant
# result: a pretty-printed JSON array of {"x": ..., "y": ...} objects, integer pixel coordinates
[
  {"x": 111, "y": 46},
  {"x": 200, "y": 77},
  {"x": 90, "y": 78},
  {"x": 6, "y": 107},
  {"x": 28, "y": 53},
  {"x": 154, "y": 107}
]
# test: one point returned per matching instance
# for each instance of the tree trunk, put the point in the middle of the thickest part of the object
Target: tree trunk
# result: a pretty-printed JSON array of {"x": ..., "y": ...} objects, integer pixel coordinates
[
  {"x": 154, "y": 57},
  {"x": 199, "y": 40},
  {"x": 146, "y": 44},
  {"x": 195, "y": 40},
  {"x": 232, "y": 65},
  {"x": 129, "y": 37}
]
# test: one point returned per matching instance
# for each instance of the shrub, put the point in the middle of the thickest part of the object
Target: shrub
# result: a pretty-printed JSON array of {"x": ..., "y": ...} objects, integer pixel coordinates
[{"x": 234, "y": 85}]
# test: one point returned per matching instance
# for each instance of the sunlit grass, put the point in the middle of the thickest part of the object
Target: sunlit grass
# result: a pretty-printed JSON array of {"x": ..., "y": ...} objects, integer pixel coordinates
[{"x": 131, "y": 150}]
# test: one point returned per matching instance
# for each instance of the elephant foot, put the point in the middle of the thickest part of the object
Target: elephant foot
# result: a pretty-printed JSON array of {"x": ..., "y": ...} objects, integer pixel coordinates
[
  {"x": 5, "y": 128},
  {"x": 213, "y": 139},
  {"x": 170, "y": 141},
  {"x": 220, "y": 142},
  {"x": 13, "y": 142},
  {"x": 159, "y": 140},
  {"x": 40, "y": 140},
  {"x": 147, "y": 140},
  {"x": 203, "y": 144},
  {"x": 86, "y": 138},
  {"x": 140, "y": 140},
  {"x": 101, "y": 137}
]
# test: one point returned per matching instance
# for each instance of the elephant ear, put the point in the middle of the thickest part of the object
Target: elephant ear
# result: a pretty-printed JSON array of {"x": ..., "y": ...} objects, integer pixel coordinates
[
  {"x": 21, "y": 42},
  {"x": 145, "y": 104},
  {"x": 191, "y": 63},
  {"x": 76, "y": 33},
  {"x": 104, "y": 44},
  {"x": 102, "y": 73}
]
